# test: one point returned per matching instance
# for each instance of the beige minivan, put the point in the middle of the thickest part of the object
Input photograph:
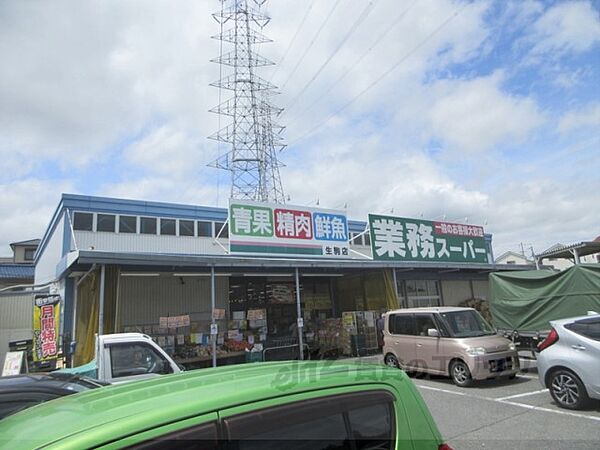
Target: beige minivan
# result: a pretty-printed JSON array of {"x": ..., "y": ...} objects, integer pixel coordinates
[{"x": 451, "y": 341}]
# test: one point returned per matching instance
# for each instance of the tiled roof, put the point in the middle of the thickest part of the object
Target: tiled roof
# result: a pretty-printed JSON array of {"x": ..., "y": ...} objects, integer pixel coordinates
[{"x": 17, "y": 271}]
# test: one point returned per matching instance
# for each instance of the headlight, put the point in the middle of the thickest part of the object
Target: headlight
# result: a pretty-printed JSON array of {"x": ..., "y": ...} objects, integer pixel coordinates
[
  {"x": 476, "y": 351},
  {"x": 512, "y": 346}
]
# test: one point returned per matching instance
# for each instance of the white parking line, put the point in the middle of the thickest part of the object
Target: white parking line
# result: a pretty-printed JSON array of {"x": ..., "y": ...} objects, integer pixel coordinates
[
  {"x": 506, "y": 402},
  {"x": 447, "y": 391},
  {"x": 539, "y": 408},
  {"x": 522, "y": 395}
]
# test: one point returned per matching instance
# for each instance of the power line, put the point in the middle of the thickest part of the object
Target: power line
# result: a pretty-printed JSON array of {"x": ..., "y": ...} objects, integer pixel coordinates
[
  {"x": 363, "y": 15},
  {"x": 383, "y": 75},
  {"x": 311, "y": 43},
  {"x": 358, "y": 61},
  {"x": 293, "y": 39}
]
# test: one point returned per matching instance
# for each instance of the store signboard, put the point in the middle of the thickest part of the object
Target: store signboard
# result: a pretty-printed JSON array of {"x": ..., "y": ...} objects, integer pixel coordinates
[
  {"x": 403, "y": 239},
  {"x": 46, "y": 317},
  {"x": 283, "y": 230},
  {"x": 13, "y": 363}
]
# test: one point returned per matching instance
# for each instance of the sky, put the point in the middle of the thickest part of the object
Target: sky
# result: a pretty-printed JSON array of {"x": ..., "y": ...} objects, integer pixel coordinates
[{"x": 480, "y": 111}]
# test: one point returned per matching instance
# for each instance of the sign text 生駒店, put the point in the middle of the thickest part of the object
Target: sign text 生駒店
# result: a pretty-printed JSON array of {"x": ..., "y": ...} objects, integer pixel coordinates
[
  {"x": 402, "y": 239},
  {"x": 269, "y": 229},
  {"x": 46, "y": 316}
]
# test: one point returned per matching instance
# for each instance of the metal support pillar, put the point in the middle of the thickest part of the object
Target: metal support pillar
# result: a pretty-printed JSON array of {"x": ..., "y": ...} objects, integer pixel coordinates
[
  {"x": 213, "y": 336},
  {"x": 299, "y": 319},
  {"x": 396, "y": 288},
  {"x": 575, "y": 255},
  {"x": 75, "y": 295},
  {"x": 101, "y": 300}
]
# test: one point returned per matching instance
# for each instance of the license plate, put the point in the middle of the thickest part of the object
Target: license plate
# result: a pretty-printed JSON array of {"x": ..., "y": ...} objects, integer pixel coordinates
[{"x": 498, "y": 365}]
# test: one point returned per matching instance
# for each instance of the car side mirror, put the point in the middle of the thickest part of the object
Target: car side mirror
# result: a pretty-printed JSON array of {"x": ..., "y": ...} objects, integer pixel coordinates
[
  {"x": 432, "y": 332},
  {"x": 166, "y": 368}
]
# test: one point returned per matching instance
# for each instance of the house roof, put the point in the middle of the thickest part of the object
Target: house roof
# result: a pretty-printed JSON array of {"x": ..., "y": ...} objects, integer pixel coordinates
[
  {"x": 511, "y": 253},
  {"x": 565, "y": 251},
  {"x": 17, "y": 271},
  {"x": 30, "y": 242}
]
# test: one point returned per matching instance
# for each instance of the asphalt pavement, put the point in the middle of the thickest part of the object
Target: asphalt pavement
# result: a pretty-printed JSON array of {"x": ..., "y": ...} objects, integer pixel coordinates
[{"x": 512, "y": 414}]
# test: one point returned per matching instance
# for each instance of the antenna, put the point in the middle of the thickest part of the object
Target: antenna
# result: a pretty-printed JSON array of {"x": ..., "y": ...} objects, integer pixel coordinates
[{"x": 253, "y": 134}]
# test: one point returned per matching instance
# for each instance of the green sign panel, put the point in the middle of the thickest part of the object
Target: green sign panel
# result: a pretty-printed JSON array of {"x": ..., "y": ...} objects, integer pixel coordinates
[
  {"x": 402, "y": 239},
  {"x": 250, "y": 220}
]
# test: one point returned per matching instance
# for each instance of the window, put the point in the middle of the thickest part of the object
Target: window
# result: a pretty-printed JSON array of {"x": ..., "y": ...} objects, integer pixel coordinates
[
  {"x": 422, "y": 293},
  {"x": 224, "y": 233},
  {"x": 29, "y": 254},
  {"x": 105, "y": 222},
  {"x": 200, "y": 437},
  {"x": 83, "y": 221},
  {"x": 136, "y": 359},
  {"x": 333, "y": 422},
  {"x": 167, "y": 227},
  {"x": 372, "y": 426},
  {"x": 148, "y": 225},
  {"x": 402, "y": 324},
  {"x": 186, "y": 227},
  {"x": 423, "y": 323},
  {"x": 589, "y": 328},
  {"x": 127, "y": 224},
  {"x": 367, "y": 239},
  {"x": 204, "y": 229}
]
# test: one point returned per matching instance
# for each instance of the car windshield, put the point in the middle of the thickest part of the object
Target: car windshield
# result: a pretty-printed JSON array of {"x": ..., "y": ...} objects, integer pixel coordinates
[{"x": 468, "y": 323}]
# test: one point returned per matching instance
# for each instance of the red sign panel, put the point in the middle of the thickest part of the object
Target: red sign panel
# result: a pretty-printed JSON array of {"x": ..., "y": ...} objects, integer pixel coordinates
[
  {"x": 293, "y": 224},
  {"x": 455, "y": 229}
]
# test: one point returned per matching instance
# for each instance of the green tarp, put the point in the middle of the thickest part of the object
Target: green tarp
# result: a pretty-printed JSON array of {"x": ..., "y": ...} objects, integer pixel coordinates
[{"x": 528, "y": 300}]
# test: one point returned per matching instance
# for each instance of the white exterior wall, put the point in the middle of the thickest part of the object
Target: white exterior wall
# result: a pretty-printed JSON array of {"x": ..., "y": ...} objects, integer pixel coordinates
[
  {"x": 45, "y": 268},
  {"x": 148, "y": 243},
  {"x": 455, "y": 291},
  {"x": 16, "y": 320}
]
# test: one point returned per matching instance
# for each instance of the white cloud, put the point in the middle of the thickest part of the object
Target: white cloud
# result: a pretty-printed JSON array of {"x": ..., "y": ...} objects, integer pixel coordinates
[
  {"x": 476, "y": 115},
  {"x": 587, "y": 117},
  {"x": 168, "y": 150},
  {"x": 26, "y": 209},
  {"x": 566, "y": 27}
]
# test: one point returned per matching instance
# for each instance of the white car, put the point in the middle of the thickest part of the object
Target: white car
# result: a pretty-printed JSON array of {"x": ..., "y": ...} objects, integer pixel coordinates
[{"x": 569, "y": 361}]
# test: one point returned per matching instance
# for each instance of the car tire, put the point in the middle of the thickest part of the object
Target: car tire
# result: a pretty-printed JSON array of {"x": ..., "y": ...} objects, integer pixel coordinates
[
  {"x": 460, "y": 374},
  {"x": 391, "y": 361},
  {"x": 567, "y": 390},
  {"x": 512, "y": 377}
]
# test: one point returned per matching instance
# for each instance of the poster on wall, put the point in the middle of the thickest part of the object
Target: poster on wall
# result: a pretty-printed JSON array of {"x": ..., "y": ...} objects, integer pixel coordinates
[
  {"x": 283, "y": 230},
  {"x": 403, "y": 239},
  {"x": 46, "y": 327}
]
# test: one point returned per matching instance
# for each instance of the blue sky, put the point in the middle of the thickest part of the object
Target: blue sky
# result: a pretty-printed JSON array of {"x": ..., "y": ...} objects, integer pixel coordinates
[{"x": 485, "y": 110}]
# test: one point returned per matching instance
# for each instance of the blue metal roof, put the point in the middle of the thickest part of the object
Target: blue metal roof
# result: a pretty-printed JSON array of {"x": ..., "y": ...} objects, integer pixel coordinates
[{"x": 16, "y": 271}]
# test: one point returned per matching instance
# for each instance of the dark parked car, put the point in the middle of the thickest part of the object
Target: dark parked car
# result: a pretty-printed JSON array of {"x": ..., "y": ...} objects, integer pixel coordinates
[{"x": 23, "y": 391}]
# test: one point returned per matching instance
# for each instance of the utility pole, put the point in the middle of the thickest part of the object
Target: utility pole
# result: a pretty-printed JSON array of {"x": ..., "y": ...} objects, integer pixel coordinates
[{"x": 254, "y": 136}]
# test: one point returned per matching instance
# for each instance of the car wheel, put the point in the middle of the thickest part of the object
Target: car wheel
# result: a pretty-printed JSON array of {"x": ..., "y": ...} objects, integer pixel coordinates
[
  {"x": 567, "y": 390},
  {"x": 512, "y": 377},
  {"x": 460, "y": 374},
  {"x": 392, "y": 361}
]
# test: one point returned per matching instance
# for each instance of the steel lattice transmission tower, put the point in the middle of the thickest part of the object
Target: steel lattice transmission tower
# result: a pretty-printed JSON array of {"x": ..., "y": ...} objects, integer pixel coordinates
[{"x": 253, "y": 134}]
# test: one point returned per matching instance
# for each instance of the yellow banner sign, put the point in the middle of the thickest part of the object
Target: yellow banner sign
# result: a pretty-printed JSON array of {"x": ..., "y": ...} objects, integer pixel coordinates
[{"x": 46, "y": 329}]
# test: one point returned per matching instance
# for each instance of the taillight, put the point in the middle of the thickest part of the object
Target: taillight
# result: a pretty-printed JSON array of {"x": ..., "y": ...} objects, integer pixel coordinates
[
  {"x": 444, "y": 447},
  {"x": 551, "y": 339}
]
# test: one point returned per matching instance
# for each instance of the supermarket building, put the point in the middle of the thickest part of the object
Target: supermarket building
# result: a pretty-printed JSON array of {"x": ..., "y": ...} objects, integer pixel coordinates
[{"x": 125, "y": 265}]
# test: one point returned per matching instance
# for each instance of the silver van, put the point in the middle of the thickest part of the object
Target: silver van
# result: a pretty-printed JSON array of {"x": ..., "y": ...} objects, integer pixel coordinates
[{"x": 456, "y": 342}]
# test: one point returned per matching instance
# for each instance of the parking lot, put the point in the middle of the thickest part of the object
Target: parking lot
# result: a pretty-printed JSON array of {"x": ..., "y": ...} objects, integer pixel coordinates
[{"x": 515, "y": 414}]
